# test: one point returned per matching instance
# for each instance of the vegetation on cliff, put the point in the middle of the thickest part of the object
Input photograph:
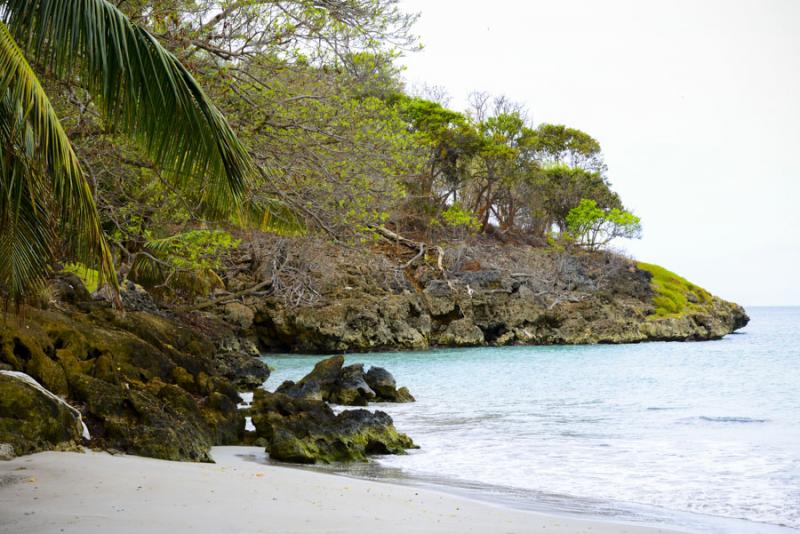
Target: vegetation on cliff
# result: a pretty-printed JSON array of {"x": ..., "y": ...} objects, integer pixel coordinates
[
  {"x": 673, "y": 295},
  {"x": 190, "y": 120},
  {"x": 248, "y": 176}
]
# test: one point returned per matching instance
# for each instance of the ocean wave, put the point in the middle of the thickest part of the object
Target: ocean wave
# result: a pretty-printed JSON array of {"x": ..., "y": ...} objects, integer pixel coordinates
[{"x": 728, "y": 419}]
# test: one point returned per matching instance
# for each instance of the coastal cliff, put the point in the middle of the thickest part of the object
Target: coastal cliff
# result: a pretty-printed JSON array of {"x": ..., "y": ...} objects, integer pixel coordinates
[{"x": 493, "y": 296}]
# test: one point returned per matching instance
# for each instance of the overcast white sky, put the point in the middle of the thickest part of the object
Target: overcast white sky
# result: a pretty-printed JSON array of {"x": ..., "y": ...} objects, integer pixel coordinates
[{"x": 696, "y": 104}]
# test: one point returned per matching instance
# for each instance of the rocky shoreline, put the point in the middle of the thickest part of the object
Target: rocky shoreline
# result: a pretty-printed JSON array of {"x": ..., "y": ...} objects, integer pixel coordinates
[
  {"x": 159, "y": 383},
  {"x": 168, "y": 387},
  {"x": 493, "y": 307}
]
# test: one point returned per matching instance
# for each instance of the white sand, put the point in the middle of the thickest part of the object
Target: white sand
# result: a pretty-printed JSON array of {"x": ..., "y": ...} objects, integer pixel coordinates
[{"x": 96, "y": 492}]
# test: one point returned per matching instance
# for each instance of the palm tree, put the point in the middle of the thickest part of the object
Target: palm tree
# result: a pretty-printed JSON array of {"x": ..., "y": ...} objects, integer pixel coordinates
[{"x": 47, "y": 207}]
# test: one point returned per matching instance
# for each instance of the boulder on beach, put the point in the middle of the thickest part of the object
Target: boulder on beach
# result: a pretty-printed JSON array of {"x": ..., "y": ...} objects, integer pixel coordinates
[
  {"x": 307, "y": 431},
  {"x": 144, "y": 383},
  {"x": 32, "y": 419}
]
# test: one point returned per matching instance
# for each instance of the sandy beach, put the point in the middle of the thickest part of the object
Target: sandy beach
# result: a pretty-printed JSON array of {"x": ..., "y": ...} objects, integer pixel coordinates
[{"x": 97, "y": 492}]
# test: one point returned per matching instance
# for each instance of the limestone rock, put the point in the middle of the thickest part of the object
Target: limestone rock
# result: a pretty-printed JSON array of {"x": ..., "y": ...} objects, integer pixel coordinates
[
  {"x": 6, "y": 452},
  {"x": 461, "y": 333},
  {"x": 239, "y": 314},
  {"x": 576, "y": 300}
]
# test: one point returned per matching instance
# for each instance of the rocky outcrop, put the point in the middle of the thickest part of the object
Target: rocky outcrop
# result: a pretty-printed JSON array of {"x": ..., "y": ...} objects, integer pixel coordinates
[
  {"x": 585, "y": 302},
  {"x": 33, "y": 419},
  {"x": 333, "y": 382},
  {"x": 145, "y": 384},
  {"x": 383, "y": 384},
  {"x": 307, "y": 431}
]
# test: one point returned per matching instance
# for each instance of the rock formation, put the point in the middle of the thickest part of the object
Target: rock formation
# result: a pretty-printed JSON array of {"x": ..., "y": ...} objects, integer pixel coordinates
[
  {"x": 333, "y": 382},
  {"x": 525, "y": 300},
  {"x": 307, "y": 431},
  {"x": 33, "y": 419},
  {"x": 145, "y": 384}
]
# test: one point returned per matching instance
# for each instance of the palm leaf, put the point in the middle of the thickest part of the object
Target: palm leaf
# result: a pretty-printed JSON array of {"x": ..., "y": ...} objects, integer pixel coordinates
[
  {"x": 270, "y": 215},
  {"x": 43, "y": 192},
  {"x": 142, "y": 90},
  {"x": 185, "y": 261}
]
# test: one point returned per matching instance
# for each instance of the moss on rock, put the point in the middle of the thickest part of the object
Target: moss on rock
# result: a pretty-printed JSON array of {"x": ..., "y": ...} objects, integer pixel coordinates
[
  {"x": 145, "y": 384},
  {"x": 32, "y": 421},
  {"x": 307, "y": 431},
  {"x": 673, "y": 295}
]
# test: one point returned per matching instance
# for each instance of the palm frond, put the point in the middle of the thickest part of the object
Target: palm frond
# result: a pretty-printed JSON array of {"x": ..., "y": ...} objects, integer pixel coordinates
[
  {"x": 183, "y": 263},
  {"x": 43, "y": 193},
  {"x": 270, "y": 215},
  {"x": 141, "y": 88}
]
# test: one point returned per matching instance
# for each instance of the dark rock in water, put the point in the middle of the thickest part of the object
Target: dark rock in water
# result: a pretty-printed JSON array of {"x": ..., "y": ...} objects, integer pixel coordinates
[
  {"x": 32, "y": 419},
  {"x": 243, "y": 370},
  {"x": 385, "y": 387},
  {"x": 307, "y": 431},
  {"x": 303, "y": 390},
  {"x": 318, "y": 384},
  {"x": 326, "y": 372},
  {"x": 404, "y": 395},
  {"x": 330, "y": 382},
  {"x": 350, "y": 388}
]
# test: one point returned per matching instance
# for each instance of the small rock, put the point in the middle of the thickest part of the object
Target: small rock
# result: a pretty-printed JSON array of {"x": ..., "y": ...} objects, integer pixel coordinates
[
  {"x": 6, "y": 452},
  {"x": 239, "y": 314},
  {"x": 350, "y": 388},
  {"x": 385, "y": 387}
]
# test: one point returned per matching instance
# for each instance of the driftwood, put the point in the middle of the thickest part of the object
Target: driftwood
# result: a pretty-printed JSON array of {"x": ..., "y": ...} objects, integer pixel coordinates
[
  {"x": 228, "y": 298},
  {"x": 418, "y": 246}
]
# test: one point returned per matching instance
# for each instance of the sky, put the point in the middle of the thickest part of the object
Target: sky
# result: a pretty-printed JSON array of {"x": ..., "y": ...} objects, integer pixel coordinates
[{"x": 696, "y": 104}]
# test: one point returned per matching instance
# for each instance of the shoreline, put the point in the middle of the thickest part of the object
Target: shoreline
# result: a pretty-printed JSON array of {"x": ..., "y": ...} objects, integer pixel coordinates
[
  {"x": 556, "y": 506},
  {"x": 98, "y": 492}
]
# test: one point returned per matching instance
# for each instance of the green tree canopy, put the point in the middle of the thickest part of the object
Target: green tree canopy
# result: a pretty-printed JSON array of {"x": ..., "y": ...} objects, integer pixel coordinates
[{"x": 593, "y": 227}]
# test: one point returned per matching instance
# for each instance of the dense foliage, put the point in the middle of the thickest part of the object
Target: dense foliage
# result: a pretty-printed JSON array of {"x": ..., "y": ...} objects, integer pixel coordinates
[{"x": 327, "y": 141}]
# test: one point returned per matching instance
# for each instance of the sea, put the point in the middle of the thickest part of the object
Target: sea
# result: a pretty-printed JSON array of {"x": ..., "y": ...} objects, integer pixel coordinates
[{"x": 698, "y": 436}]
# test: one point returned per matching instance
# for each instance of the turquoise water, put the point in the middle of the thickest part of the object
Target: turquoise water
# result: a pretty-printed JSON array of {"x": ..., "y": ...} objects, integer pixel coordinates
[{"x": 680, "y": 434}]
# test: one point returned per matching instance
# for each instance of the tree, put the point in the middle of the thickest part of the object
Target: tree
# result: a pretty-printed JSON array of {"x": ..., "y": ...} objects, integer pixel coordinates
[
  {"x": 593, "y": 227},
  {"x": 501, "y": 161},
  {"x": 563, "y": 187},
  {"x": 558, "y": 144},
  {"x": 447, "y": 142},
  {"x": 47, "y": 208}
]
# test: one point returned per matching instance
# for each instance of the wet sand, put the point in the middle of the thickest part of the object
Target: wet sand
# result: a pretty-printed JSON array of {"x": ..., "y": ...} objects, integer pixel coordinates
[{"x": 95, "y": 492}]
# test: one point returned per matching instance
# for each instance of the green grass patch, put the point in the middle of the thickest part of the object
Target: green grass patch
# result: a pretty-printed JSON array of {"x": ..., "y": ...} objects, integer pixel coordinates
[
  {"x": 89, "y": 277},
  {"x": 673, "y": 295}
]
